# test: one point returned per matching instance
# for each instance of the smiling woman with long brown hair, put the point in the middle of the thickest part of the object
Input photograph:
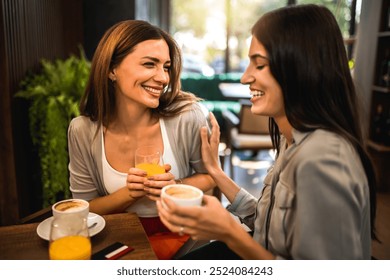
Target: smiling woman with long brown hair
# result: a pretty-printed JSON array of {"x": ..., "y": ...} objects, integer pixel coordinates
[{"x": 133, "y": 99}]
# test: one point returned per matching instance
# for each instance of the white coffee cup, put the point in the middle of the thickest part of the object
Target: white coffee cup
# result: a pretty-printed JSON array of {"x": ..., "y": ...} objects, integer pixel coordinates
[
  {"x": 74, "y": 206},
  {"x": 183, "y": 195}
]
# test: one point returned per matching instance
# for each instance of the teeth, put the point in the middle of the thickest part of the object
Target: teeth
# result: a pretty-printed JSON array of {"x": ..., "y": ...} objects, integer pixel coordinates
[
  {"x": 153, "y": 90},
  {"x": 257, "y": 93}
]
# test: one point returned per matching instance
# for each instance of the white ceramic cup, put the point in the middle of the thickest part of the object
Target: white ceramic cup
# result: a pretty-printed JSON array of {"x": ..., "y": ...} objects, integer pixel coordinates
[
  {"x": 183, "y": 195},
  {"x": 73, "y": 206}
]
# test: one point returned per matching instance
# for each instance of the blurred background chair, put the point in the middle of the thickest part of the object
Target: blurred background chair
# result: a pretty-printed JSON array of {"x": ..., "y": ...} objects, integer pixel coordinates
[{"x": 246, "y": 132}]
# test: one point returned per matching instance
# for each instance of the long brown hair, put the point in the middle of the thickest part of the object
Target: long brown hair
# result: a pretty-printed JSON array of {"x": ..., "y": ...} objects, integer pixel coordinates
[
  {"x": 308, "y": 59},
  {"x": 98, "y": 101}
]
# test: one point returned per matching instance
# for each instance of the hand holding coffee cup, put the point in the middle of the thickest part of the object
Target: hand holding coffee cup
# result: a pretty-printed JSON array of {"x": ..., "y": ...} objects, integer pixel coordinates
[
  {"x": 183, "y": 195},
  {"x": 74, "y": 206}
]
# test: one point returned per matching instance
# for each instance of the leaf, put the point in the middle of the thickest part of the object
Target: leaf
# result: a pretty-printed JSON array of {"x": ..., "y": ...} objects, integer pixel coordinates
[{"x": 54, "y": 93}]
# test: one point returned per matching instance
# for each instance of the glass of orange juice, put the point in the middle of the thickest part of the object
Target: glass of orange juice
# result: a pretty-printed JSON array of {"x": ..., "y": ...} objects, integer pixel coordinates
[
  {"x": 149, "y": 158},
  {"x": 69, "y": 238}
]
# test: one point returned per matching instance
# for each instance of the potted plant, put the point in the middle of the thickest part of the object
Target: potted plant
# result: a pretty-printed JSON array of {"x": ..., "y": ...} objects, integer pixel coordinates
[{"x": 54, "y": 94}]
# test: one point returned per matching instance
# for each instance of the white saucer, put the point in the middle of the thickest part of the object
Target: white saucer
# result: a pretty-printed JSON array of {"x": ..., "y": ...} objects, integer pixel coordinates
[{"x": 43, "y": 229}]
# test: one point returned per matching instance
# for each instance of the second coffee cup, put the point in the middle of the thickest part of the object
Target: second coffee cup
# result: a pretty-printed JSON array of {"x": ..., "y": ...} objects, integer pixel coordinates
[{"x": 183, "y": 195}]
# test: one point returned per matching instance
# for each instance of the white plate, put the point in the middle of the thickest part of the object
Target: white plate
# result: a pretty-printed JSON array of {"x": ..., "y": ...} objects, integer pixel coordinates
[{"x": 43, "y": 229}]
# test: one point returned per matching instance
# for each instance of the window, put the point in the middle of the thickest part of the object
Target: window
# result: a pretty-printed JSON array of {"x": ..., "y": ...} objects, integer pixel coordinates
[{"x": 216, "y": 33}]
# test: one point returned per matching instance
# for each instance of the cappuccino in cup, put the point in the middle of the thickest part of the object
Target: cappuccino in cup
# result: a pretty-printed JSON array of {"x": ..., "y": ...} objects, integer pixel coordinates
[
  {"x": 181, "y": 194},
  {"x": 71, "y": 206}
]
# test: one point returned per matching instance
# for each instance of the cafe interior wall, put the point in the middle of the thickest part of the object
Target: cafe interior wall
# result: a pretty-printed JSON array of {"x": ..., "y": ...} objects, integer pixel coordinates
[{"x": 35, "y": 30}]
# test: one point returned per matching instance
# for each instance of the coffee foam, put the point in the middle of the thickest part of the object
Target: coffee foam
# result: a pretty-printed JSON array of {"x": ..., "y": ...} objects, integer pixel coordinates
[
  {"x": 69, "y": 206},
  {"x": 182, "y": 193}
]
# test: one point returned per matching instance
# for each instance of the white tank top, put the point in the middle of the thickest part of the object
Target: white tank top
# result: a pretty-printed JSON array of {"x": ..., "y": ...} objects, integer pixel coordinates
[{"x": 114, "y": 180}]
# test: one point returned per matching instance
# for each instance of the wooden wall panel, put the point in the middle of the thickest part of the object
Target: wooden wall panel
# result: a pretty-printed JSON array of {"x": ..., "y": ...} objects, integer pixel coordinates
[
  {"x": 30, "y": 30},
  {"x": 8, "y": 194}
]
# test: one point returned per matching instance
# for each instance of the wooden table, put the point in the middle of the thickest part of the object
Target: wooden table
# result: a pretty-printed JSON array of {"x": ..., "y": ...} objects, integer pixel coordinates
[{"x": 21, "y": 242}]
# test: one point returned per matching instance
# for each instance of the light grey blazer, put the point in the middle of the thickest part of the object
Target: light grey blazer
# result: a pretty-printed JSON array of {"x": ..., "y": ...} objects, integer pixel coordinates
[{"x": 321, "y": 206}]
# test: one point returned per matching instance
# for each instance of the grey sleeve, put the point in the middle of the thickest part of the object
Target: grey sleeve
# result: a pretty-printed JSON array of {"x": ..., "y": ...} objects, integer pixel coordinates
[
  {"x": 81, "y": 181},
  {"x": 197, "y": 119},
  {"x": 244, "y": 207},
  {"x": 184, "y": 135}
]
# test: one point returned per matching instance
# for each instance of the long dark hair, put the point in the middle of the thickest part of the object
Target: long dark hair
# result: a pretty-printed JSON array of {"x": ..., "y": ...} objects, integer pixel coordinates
[
  {"x": 308, "y": 59},
  {"x": 98, "y": 101}
]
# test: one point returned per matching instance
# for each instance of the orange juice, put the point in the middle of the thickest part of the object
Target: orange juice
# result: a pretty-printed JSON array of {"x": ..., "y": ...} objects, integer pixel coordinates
[
  {"x": 151, "y": 168},
  {"x": 70, "y": 248}
]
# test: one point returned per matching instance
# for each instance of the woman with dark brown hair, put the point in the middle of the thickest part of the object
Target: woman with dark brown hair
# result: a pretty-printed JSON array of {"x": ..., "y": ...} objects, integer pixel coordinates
[
  {"x": 318, "y": 199},
  {"x": 133, "y": 99}
]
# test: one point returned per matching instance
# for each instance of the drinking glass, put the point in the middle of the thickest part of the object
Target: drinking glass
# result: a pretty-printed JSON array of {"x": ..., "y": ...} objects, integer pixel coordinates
[
  {"x": 149, "y": 158},
  {"x": 69, "y": 238}
]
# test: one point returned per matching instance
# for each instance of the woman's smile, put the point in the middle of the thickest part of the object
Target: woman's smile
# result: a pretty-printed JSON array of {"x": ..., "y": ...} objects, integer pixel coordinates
[
  {"x": 154, "y": 91},
  {"x": 256, "y": 93}
]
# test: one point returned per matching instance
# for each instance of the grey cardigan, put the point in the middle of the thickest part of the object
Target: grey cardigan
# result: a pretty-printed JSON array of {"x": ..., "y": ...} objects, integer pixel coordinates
[
  {"x": 321, "y": 206},
  {"x": 85, "y": 150}
]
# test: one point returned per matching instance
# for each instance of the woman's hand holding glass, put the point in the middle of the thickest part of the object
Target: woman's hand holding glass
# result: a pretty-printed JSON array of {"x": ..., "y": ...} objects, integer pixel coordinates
[
  {"x": 135, "y": 182},
  {"x": 139, "y": 184},
  {"x": 150, "y": 174},
  {"x": 154, "y": 184}
]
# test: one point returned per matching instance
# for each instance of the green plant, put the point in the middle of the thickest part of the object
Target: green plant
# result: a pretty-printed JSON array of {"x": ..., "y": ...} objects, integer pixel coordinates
[{"x": 54, "y": 93}]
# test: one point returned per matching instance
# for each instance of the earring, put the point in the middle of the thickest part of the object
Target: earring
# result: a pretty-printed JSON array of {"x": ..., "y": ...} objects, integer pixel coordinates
[{"x": 112, "y": 77}]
